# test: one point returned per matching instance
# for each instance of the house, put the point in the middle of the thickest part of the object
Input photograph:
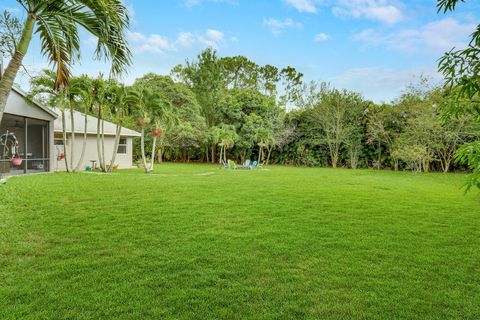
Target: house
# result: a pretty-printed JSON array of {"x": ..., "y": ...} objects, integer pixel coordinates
[
  {"x": 124, "y": 157},
  {"x": 26, "y": 136},
  {"x": 31, "y": 139}
]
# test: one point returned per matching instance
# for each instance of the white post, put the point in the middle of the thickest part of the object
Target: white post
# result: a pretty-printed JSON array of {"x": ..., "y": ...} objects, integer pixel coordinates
[{"x": 1, "y": 65}]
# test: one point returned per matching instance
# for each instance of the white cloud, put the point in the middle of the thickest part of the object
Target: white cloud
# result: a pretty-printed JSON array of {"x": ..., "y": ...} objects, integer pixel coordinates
[
  {"x": 209, "y": 38},
  {"x": 277, "y": 26},
  {"x": 158, "y": 44},
  {"x": 380, "y": 83},
  {"x": 12, "y": 10},
  {"x": 215, "y": 35},
  {"x": 153, "y": 43},
  {"x": 193, "y": 3},
  {"x": 185, "y": 39},
  {"x": 303, "y": 5},
  {"x": 90, "y": 41},
  {"x": 320, "y": 37},
  {"x": 385, "y": 11},
  {"x": 433, "y": 37},
  {"x": 132, "y": 14}
]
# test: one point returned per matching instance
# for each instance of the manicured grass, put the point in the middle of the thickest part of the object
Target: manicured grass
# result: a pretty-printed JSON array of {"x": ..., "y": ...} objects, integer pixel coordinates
[{"x": 195, "y": 242}]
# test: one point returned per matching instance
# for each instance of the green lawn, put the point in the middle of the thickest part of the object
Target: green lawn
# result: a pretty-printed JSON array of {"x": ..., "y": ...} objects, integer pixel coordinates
[{"x": 195, "y": 242}]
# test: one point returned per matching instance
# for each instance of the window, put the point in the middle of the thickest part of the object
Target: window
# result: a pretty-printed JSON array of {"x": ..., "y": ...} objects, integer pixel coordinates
[
  {"x": 58, "y": 139},
  {"x": 122, "y": 146}
]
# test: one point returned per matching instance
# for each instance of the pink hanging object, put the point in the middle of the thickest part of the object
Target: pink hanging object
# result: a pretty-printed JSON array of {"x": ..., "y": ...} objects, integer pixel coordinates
[{"x": 17, "y": 161}]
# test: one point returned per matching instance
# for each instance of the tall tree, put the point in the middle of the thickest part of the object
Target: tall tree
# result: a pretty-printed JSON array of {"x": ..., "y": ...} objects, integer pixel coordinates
[
  {"x": 461, "y": 70},
  {"x": 86, "y": 100},
  {"x": 333, "y": 115},
  {"x": 240, "y": 72},
  {"x": 151, "y": 111},
  {"x": 182, "y": 127},
  {"x": 62, "y": 100},
  {"x": 206, "y": 79},
  {"x": 461, "y": 67},
  {"x": 227, "y": 137},
  {"x": 121, "y": 100}
]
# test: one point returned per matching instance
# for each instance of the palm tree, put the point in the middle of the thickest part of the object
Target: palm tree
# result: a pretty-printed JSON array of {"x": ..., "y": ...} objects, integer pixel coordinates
[
  {"x": 120, "y": 102},
  {"x": 163, "y": 118},
  {"x": 57, "y": 24},
  {"x": 227, "y": 137},
  {"x": 151, "y": 108},
  {"x": 83, "y": 88},
  {"x": 76, "y": 96},
  {"x": 42, "y": 85},
  {"x": 100, "y": 96},
  {"x": 262, "y": 137},
  {"x": 143, "y": 98}
]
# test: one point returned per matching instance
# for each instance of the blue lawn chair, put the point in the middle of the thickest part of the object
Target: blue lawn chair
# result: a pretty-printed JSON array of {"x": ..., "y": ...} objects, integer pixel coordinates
[
  {"x": 254, "y": 165},
  {"x": 224, "y": 165}
]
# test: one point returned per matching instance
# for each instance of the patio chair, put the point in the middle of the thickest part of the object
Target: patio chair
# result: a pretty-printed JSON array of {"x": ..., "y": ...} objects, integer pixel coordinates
[
  {"x": 223, "y": 164},
  {"x": 232, "y": 165},
  {"x": 246, "y": 164},
  {"x": 254, "y": 165}
]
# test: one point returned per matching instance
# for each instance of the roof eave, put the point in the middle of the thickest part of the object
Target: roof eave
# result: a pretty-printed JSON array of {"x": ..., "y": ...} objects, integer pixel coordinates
[{"x": 44, "y": 108}]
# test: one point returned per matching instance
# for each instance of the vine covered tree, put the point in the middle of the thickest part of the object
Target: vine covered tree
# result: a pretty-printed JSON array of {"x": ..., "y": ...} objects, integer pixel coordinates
[{"x": 461, "y": 69}]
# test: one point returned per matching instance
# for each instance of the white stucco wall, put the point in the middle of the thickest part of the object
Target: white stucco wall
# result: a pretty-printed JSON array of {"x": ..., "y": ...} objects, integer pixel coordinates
[{"x": 122, "y": 160}]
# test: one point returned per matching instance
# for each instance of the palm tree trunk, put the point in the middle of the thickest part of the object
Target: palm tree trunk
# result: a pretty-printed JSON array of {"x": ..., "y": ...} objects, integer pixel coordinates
[
  {"x": 221, "y": 154},
  {"x": 105, "y": 166},
  {"x": 7, "y": 79},
  {"x": 142, "y": 146},
  {"x": 64, "y": 131},
  {"x": 213, "y": 153},
  {"x": 72, "y": 150},
  {"x": 115, "y": 146},
  {"x": 243, "y": 154},
  {"x": 99, "y": 151},
  {"x": 269, "y": 154},
  {"x": 84, "y": 146},
  {"x": 154, "y": 144}
]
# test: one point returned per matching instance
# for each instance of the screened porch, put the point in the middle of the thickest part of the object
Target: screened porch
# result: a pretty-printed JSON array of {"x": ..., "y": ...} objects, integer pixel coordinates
[{"x": 24, "y": 145}]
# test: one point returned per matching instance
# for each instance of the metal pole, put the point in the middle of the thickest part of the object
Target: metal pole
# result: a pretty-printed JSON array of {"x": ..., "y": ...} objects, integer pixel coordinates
[
  {"x": 1, "y": 65},
  {"x": 25, "y": 147}
]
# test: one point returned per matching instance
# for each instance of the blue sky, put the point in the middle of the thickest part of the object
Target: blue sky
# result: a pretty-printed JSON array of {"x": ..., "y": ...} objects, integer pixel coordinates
[{"x": 376, "y": 47}]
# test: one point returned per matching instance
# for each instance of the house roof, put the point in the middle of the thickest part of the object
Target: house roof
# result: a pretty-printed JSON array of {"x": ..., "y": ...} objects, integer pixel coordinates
[
  {"x": 79, "y": 122},
  {"x": 39, "y": 105}
]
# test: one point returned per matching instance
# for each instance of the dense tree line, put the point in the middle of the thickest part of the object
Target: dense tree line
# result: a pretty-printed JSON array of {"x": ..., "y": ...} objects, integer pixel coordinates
[
  {"x": 218, "y": 108},
  {"x": 214, "y": 109},
  {"x": 240, "y": 110}
]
